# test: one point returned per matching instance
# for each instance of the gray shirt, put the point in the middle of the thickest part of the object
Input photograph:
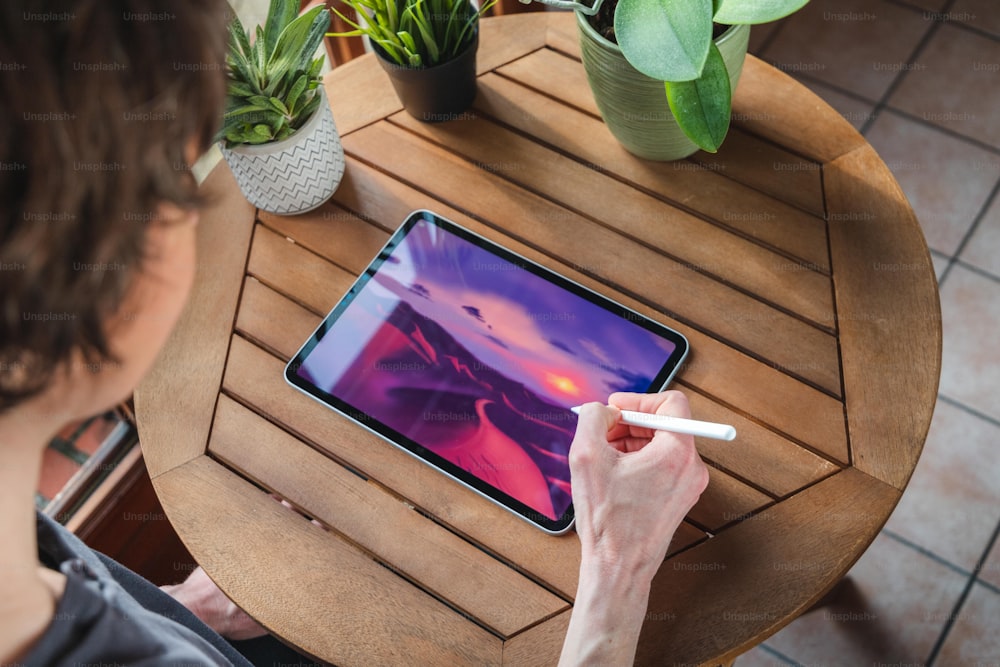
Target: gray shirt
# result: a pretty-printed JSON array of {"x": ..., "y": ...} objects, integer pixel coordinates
[{"x": 100, "y": 622}]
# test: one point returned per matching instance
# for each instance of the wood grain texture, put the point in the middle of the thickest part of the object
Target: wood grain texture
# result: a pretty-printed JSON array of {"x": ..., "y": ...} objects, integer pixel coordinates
[
  {"x": 686, "y": 185},
  {"x": 272, "y": 321},
  {"x": 294, "y": 271},
  {"x": 773, "y": 463},
  {"x": 725, "y": 500},
  {"x": 889, "y": 313},
  {"x": 189, "y": 368},
  {"x": 255, "y": 379},
  {"x": 749, "y": 581},
  {"x": 411, "y": 556},
  {"x": 538, "y": 646},
  {"x": 673, "y": 287},
  {"x": 407, "y": 542},
  {"x": 360, "y": 90},
  {"x": 387, "y": 619},
  {"x": 772, "y": 169},
  {"x": 336, "y": 234},
  {"x": 789, "y": 178},
  {"x": 761, "y": 102},
  {"x": 754, "y": 389},
  {"x": 694, "y": 242}
]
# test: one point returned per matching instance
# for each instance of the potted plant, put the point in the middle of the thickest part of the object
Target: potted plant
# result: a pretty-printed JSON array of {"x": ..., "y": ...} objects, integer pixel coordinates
[
  {"x": 663, "y": 71},
  {"x": 278, "y": 134},
  {"x": 428, "y": 48}
]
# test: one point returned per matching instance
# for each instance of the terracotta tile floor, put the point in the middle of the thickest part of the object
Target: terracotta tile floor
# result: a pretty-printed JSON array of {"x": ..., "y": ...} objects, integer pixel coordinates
[{"x": 921, "y": 80}]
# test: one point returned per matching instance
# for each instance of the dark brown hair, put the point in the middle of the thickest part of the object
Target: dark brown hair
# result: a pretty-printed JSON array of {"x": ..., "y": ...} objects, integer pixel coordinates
[{"x": 100, "y": 100}]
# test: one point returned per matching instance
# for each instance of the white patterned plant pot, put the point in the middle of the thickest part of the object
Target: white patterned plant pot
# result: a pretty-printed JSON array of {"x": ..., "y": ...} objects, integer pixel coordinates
[{"x": 293, "y": 175}]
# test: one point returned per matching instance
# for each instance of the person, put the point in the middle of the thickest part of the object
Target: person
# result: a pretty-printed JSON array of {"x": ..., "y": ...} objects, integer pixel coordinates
[{"x": 106, "y": 105}]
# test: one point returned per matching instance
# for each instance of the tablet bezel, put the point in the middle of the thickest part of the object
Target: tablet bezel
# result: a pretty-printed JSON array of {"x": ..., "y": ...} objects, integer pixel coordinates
[{"x": 470, "y": 481}]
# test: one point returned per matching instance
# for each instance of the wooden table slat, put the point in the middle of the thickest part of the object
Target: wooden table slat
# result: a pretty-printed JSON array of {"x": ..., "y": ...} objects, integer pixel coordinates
[
  {"x": 692, "y": 296},
  {"x": 693, "y": 241},
  {"x": 726, "y": 500},
  {"x": 255, "y": 378},
  {"x": 794, "y": 180},
  {"x": 538, "y": 646},
  {"x": 751, "y": 213},
  {"x": 764, "y": 458},
  {"x": 293, "y": 270},
  {"x": 409, "y": 543},
  {"x": 192, "y": 376},
  {"x": 788, "y": 177},
  {"x": 887, "y": 360},
  {"x": 733, "y": 378},
  {"x": 336, "y": 234},
  {"x": 387, "y": 619},
  {"x": 417, "y": 568},
  {"x": 555, "y": 75},
  {"x": 815, "y": 129},
  {"x": 743, "y": 582},
  {"x": 272, "y": 320}
]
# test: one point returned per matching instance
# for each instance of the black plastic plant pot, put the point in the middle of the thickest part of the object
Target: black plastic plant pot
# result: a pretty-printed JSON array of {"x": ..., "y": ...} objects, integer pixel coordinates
[{"x": 438, "y": 93}]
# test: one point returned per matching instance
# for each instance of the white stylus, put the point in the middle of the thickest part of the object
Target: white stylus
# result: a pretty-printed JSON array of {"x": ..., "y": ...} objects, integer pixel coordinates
[{"x": 675, "y": 424}]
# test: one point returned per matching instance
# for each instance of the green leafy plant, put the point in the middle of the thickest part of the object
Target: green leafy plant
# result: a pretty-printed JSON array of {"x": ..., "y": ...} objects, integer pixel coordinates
[
  {"x": 416, "y": 33},
  {"x": 273, "y": 84},
  {"x": 671, "y": 40}
]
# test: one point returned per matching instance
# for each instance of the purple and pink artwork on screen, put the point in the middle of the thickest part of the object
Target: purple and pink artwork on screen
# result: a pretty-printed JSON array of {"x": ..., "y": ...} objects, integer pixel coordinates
[{"x": 479, "y": 361}]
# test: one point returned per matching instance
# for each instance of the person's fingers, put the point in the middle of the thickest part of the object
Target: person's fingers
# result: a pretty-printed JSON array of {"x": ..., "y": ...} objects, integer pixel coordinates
[
  {"x": 595, "y": 425},
  {"x": 673, "y": 403}
]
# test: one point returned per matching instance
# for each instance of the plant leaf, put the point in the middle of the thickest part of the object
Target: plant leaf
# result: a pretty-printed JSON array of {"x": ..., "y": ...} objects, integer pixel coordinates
[
  {"x": 279, "y": 15},
  {"x": 665, "y": 39},
  {"x": 734, "y": 12},
  {"x": 296, "y": 91},
  {"x": 237, "y": 88},
  {"x": 426, "y": 32},
  {"x": 296, "y": 46},
  {"x": 702, "y": 107},
  {"x": 407, "y": 40},
  {"x": 261, "y": 131},
  {"x": 236, "y": 112},
  {"x": 279, "y": 106},
  {"x": 307, "y": 111}
]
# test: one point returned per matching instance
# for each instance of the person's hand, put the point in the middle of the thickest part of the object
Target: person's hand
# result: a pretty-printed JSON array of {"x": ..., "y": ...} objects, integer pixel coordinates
[
  {"x": 631, "y": 489},
  {"x": 206, "y": 601},
  {"x": 632, "y": 486}
]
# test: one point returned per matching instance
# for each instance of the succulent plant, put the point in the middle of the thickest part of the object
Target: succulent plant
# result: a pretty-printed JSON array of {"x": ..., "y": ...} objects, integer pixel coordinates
[
  {"x": 416, "y": 33},
  {"x": 273, "y": 84}
]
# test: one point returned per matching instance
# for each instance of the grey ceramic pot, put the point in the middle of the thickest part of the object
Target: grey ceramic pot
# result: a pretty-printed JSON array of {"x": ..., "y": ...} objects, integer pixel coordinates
[{"x": 293, "y": 175}]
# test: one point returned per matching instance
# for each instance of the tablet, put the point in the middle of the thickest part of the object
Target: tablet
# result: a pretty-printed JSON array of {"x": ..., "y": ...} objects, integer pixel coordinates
[{"x": 469, "y": 357}]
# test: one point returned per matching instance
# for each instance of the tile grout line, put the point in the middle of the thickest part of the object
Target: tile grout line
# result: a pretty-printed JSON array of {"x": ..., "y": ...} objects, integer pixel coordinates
[
  {"x": 896, "y": 82},
  {"x": 779, "y": 655},
  {"x": 950, "y": 620},
  {"x": 989, "y": 148},
  {"x": 968, "y": 236},
  {"x": 972, "y": 268},
  {"x": 924, "y": 551},
  {"x": 882, "y": 104},
  {"x": 809, "y": 81},
  {"x": 940, "y": 16},
  {"x": 972, "y": 411}
]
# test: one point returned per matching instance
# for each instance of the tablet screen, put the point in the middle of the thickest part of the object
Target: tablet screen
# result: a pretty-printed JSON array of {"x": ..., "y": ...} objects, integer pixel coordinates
[{"x": 470, "y": 357}]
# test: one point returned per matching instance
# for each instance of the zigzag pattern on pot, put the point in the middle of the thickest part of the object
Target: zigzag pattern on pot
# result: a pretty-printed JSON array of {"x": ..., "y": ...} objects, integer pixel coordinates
[{"x": 297, "y": 179}]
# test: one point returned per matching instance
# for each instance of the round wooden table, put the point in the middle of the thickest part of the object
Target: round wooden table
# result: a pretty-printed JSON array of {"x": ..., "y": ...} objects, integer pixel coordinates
[{"x": 791, "y": 261}]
